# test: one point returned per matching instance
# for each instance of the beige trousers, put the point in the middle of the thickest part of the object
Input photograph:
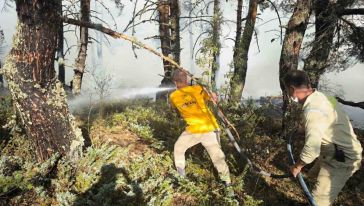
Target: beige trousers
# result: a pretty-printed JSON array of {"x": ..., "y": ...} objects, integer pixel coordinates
[
  {"x": 332, "y": 176},
  {"x": 211, "y": 142}
]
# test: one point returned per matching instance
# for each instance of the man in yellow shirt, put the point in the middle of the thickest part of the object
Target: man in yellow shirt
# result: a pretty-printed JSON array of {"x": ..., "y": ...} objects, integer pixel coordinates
[
  {"x": 329, "y": 137},
  {"x": 202, "y": 126}
]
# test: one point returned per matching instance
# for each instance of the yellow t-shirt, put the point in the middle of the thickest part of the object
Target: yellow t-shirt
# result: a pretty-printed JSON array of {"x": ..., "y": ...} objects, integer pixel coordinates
[{"x": 190, "y": 102}]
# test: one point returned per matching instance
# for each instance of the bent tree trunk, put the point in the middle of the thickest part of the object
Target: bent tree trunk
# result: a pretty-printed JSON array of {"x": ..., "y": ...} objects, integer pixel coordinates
[
  {"x": 82, "y": 52},
  {"x": 293, "y": 38},
  {"x": 241, "y": 52},
  {"x": 29, "y": 69}
]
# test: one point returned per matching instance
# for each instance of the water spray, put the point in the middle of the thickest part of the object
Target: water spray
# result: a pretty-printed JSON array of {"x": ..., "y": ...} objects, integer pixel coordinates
[
  {"x": 226, "y": 123},
  {"x": 118, "y": 94}
]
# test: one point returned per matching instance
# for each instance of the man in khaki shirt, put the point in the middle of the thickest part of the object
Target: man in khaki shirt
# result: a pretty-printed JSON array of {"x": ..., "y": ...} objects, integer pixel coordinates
[{"x": 329, "y": 137}]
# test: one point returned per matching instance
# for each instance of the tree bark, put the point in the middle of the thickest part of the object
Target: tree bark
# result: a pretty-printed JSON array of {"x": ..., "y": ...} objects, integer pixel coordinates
[
  {"x": 292, "y": 42},
  {"x": 164, "y": 32},
  {"x": 241, "y": 52},
  {"x": 29, "y": 70},
  {"x": 293, "y": 38},
  {"x": 239, "y": 28},
  {"x": 175, "y": 38},
  {"x": 169, "y": 30},
  {"x": 325, "y": 25},
  {"x": 175, "y": 30},
  {"x": 82, "y": 53},
  {"x": 216, "y": 33}
]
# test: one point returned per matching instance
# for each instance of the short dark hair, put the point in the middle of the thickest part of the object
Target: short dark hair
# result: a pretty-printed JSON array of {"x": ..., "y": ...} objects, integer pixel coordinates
[{"x": 296, "y": 78}]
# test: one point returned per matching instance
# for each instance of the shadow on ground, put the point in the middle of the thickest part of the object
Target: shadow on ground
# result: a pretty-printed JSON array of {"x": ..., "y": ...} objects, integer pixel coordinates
[{"x": 105, "y": 191}]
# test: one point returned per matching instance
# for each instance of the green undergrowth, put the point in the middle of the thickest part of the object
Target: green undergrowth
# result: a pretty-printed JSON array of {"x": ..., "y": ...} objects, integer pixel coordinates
[
  {"x": 141, "y": 170},
  {"x": 109, "y": 174},
  {"x": 102, "y": 177},
  {"x": 158, "y": 124}
]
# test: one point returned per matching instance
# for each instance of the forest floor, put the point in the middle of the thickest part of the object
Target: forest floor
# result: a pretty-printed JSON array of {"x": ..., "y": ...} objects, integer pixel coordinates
[
  {"x": 268, "y": 152},
  {"x": 131, "y": 162},
  {"x": 270, "y": 155}
]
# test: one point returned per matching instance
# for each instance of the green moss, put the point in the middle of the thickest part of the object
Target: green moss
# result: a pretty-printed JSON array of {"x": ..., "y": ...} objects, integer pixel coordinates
[
  {"x": 77, "y": 142},
  {"x": 56, "y": 96}
]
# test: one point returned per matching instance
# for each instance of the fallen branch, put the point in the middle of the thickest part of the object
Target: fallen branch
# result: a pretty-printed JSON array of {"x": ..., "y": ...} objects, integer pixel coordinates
[
  {"x": 357, "y": 11},
  {"x": 349, "y": 103},
  {"x": 135, "y": 41},
  {"x": 225, "y": 122},
  {"x": 118, "y": 35}
]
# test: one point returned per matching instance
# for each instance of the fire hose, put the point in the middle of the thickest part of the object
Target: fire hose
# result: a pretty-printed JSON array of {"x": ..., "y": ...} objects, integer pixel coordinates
[
  {"x": 225, "y": 122},
  {"x": 258, "y": 171},
  {"x": 299, "y": 176},
  {"x": 253, "y": 168}
]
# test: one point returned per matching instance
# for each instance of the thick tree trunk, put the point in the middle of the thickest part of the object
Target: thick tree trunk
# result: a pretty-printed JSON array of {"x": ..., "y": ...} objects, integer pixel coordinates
[
  {"x": 60, "y": 52},
  {"x": 216, "y": 33},
  {"x": 82, "y": 53},
  {"x": 325, "y": 24},
  {"x": 29, "y": 70},
  {"x": 293, "y": 38},
  {"x": 241, "y": 52}
]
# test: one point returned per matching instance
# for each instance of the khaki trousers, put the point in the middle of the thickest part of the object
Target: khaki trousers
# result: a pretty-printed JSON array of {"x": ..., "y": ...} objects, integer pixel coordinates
[
  {"x": 332, "y": 176},
  {"x": 211, "y": 142}
]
